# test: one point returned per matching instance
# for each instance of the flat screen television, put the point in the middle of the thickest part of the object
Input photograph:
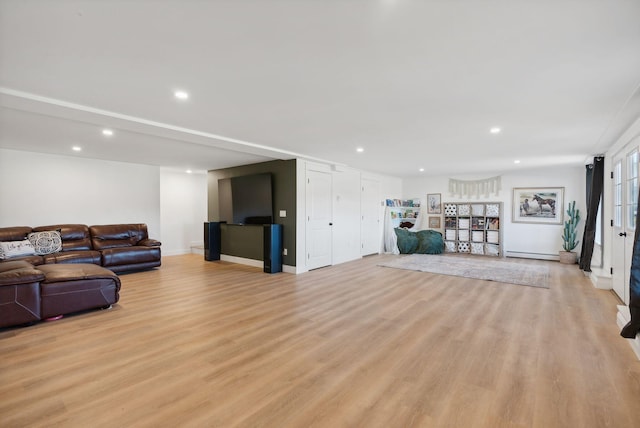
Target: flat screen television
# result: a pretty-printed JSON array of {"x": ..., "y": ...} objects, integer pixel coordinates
[{"x": 246, "y": 199}]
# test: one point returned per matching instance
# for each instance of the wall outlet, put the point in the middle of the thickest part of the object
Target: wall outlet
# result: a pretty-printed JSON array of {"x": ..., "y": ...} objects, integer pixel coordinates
[
  {"x": 283, "y": 213},
  {"x": 284, "y": 252}
]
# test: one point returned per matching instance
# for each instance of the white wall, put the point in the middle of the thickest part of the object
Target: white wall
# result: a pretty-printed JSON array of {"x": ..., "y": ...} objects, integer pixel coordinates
[
  {"x": 541, "y": 239},
  {"x": 390, "y": 187},
  {"x": 40, "y": 189},
  {"x": 183, "y": 210}
]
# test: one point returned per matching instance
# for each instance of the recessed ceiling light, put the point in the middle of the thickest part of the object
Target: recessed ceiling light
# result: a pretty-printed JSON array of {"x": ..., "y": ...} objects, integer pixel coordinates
[
  {"x": 76, "y": 148},
  {"x": 495, "y": 130},
  {"x": 181, "y": 95},
  {"x": 516, "y": 161},
  {"x": 421, "y": 170},
  {"x": 188, "y": 171},
  {"x": 360, "y": 150},
  {"x": 107, "y": 132}
]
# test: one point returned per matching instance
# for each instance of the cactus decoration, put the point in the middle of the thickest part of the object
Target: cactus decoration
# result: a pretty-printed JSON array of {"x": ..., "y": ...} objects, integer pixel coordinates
[{"x": 570, "y": 226}]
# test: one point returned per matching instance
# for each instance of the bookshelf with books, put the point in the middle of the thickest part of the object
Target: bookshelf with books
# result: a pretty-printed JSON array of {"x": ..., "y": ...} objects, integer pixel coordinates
[
  {"x": 403, "y": 212},
  {"x": 473, "y": 228}
]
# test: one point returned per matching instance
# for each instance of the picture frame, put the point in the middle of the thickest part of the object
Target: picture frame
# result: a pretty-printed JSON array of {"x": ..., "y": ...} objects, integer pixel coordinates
[
  {"x": 434, "y": 203},
  {"x": 434, "y": 222},
  {"x": 543, "y": 205}
]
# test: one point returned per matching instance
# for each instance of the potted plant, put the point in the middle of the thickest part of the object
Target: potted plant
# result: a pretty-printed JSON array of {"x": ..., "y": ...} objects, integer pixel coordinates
[{"x": 569, "y": 256}]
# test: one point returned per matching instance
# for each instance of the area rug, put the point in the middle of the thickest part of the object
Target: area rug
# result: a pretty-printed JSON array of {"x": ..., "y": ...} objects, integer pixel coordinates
[{"x": 478, "y": 267}]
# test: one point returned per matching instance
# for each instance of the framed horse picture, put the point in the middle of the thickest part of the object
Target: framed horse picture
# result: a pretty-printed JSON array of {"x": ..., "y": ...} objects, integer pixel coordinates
[
  {"x": 434, "y": 203},
  {"x": 543, "y": 205}
]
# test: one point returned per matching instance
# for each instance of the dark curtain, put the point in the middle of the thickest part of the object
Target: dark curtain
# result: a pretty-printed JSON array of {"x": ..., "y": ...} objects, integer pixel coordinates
[
  {"x": 633, "y": 327},
  {"x": 595, "y": 183},
  {"x": 588, "y": 186}
]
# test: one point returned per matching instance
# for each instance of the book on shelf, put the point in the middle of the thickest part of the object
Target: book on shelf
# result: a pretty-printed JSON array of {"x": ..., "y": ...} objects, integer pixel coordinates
[
  {"x": 477, "y": 223},
  {"x": 402, "y": 202}
]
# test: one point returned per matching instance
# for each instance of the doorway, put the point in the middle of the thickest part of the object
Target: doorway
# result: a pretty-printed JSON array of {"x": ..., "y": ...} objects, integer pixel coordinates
[
  {"x": 319, "y": 219},
  {"x": 625, "y": 208}
]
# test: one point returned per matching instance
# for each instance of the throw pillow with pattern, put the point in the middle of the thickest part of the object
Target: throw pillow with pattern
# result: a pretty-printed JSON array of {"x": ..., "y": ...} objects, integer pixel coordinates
[{"x": 46, "y": 242}]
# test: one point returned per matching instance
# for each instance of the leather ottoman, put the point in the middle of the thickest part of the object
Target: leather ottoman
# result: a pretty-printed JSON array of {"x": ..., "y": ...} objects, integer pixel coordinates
[{"x": 76, "y": 287}]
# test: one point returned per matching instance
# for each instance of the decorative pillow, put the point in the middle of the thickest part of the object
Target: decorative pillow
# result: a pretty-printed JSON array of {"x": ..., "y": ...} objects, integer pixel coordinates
[
  {"x": 46, "y": 242},
  {"x": 11, "y": 249}
]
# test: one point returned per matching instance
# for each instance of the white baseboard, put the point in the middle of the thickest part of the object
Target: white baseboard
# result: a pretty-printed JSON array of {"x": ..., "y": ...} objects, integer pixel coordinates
[
  {"x": 526, "y": 255},
  {"x": 601, "y": 282},
  {"x": 292, "y": 269},
  {"x": 176, "y": 252},
  {"x": 197, "y": 249},
  {"x": 255, "y": 263},
  {"x": 241, "y": 260},
  {"x": 623, "y": 318}
]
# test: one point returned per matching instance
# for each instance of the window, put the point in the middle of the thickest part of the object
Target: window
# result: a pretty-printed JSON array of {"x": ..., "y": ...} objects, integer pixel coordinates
[
  {"x": 598, "y": 237},
  {"x": 617, "y": 194},
  {"x": 632, "y": 189}
]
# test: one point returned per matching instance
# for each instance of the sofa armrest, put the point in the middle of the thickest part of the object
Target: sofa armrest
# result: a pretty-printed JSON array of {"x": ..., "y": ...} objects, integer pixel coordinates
[{"x": 149, "y": 243}]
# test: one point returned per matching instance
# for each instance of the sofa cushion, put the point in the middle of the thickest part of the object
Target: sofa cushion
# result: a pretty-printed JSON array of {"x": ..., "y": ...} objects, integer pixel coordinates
[
  {"x": 35, "y": 260},
  {"x": 74, "y": 236},
  {"x": 129, "y": 256},
  {"x": 13, "y": 265},
  {"x": 15, "y": 233},
  {"x": 46, "y": 242},
  {"x": 117, "y": 235},
  {"x": 19, "y": 272},
  {"x": 11, "y": 249},
  {"x": 80, "y": 256}
]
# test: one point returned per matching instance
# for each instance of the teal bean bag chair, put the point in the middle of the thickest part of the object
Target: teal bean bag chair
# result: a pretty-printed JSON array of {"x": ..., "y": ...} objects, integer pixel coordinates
[{"x": 420, "y": 242}]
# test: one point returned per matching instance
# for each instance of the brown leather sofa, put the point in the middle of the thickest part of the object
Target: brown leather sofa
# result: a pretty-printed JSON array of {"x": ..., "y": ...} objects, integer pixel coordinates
[
  {"x": 117, "y": 247},
  {"x": 125, "y": 247},
  {"x": 81, "y": 276}
]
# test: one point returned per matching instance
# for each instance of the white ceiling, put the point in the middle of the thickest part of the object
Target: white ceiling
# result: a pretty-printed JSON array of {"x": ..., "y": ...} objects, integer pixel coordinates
[{"x": 416, "y": 83}]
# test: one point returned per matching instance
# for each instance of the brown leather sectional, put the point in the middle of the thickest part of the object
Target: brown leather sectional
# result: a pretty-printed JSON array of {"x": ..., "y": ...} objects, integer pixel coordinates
[
  {"x": 117, "y": 247},
  {"x": 79, "y": 277}
]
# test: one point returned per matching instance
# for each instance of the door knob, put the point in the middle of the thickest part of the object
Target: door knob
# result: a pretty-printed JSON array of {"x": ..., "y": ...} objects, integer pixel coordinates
[{"x": 622, "y": 234}]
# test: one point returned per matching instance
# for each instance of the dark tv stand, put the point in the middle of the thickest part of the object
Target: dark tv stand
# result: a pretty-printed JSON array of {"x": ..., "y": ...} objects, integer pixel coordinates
[{"x": 218, "y": 240}]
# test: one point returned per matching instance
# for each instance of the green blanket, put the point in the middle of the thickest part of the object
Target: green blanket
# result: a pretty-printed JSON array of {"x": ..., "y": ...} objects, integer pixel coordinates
[{"x": 420, "y": 242}]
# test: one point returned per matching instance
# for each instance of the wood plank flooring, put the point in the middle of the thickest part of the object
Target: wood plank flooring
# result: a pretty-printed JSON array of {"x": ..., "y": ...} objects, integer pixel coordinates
[{"x": 216, "y": 344}]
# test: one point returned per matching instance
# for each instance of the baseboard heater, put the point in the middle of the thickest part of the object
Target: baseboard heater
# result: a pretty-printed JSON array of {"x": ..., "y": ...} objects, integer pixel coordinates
[{"x": 527, "y": 255}]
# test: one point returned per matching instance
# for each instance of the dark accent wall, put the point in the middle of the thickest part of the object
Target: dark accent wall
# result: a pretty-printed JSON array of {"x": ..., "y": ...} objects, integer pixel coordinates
[{"x": 247, "y": 243}]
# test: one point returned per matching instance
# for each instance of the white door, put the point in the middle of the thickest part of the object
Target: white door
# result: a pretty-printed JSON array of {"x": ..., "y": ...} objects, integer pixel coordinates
[
  {"x": 370, "y": 217},
  {"x": 318, "y": 201},
  {"x": 345, "y": 197},
  {"x": 625, "y": 204}
]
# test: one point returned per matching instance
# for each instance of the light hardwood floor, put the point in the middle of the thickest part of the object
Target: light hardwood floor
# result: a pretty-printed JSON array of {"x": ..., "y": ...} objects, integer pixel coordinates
[{"x": 215, "y": 344}]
